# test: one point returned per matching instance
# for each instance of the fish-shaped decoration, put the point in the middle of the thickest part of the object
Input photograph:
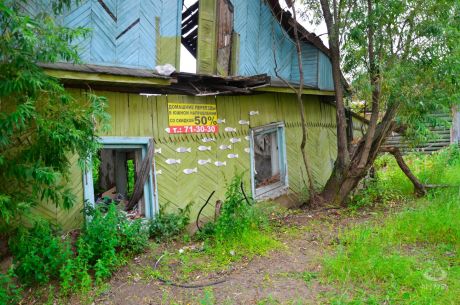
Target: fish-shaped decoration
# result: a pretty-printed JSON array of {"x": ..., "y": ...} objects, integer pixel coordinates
[
  {"x": 253, "y": 112},
  {"x": 159, "y": 172},
  {"x": 246, "y": 138},
  {"x": 243, "y": 122},
  {"x": 224, "y": 147},
  {"x": 189, "y": 171},
  {"x": 204, "y": 148},
  {"x": 220, "y": 121},
  {"x": 203, "y": 162},
  {"x": 172, "y": 161},
  {"x": 218, "y": 163},
  {"x": 230, "y": 129},
  {"x": 232, "y": 156},
  {"x": 207, "y": 140},
  {"x": 235, "y": 140},
  {"x": 158, "y": 150},
  {"x": 184, "y": 149},
  {"x": 248, "y": 150}
]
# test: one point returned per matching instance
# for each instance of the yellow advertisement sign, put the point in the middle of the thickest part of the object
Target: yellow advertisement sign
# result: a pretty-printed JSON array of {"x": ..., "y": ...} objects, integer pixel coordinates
[{"x": 192, "y": 118}]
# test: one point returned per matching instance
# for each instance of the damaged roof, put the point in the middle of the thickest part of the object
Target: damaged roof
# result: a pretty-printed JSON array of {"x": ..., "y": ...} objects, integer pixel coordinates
[
  {"x": 148, "y": 81},
  {"x": 287, "y": 22}
]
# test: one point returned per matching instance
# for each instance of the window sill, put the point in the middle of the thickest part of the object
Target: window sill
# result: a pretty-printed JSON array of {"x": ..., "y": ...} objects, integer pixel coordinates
[{"x": 271, "y": 191}]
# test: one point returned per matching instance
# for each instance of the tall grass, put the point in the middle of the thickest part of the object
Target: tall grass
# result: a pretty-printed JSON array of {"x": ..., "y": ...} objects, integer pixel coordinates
[
  {"x": 412, "y": 257},
  {"x": 390, "y": 184}
]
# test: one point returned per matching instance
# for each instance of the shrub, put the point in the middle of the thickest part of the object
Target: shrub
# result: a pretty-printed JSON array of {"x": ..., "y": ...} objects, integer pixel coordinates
[
  {"x": 238, "y": 216},
  {"x": 105, "y": 241},
  {"x": 38, "y": 254},
  {"x": 9, "y": 291},
  {"x": 103, "y": 244},
  {"x": 167, "y": 225}
]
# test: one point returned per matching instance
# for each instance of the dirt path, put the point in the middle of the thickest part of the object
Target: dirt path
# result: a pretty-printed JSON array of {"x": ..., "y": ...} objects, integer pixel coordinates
[{"x": 285, "y": 276}]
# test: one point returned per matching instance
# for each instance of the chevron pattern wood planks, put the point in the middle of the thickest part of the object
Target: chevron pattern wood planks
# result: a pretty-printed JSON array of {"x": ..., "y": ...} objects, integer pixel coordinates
[{"x": 123, "y": 32}]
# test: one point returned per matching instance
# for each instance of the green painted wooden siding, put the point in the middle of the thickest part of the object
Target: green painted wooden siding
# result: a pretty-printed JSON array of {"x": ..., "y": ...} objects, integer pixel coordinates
[{"x": 139, "y": 116}]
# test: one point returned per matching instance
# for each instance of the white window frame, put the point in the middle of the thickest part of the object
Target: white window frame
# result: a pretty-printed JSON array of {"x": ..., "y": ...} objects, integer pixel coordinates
[{"x": 279, "y": 188}]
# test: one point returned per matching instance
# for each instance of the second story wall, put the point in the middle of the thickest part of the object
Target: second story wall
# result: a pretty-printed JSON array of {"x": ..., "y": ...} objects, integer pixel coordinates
[
  {"x": 146, "y": 33},
  {"x": 265, "y": 46},
  {"x": 126, "y": 33}
]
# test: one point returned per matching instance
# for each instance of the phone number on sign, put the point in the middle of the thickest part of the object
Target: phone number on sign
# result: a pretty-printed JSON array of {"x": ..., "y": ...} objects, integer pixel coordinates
[{"x": 193, "y": 129}]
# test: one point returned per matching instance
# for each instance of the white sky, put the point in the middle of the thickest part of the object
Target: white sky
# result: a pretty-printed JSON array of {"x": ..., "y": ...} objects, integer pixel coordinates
[{"x": 188, "y": 62}]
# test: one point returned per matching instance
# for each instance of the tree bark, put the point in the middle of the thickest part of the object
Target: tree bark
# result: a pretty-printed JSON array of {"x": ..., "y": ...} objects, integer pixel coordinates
[
  {"x": 337, "y": 193},
  {"x": 302, "y": 108},
  {"x": 343, "y": 157}
]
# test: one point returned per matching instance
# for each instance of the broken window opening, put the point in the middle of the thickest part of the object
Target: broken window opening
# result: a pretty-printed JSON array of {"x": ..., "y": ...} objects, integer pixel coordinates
[
  {"x": 189, "y": 36},
  {"x": 269, "y": 163},
  {"x": 217, "y": 28},
  {"x": 114, "y": 176},
  {"x": 122, "y": 174}
]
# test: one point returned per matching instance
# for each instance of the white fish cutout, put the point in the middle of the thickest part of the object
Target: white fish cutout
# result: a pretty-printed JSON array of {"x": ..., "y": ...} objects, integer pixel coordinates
[
  {"x": 204, "y": 162},
  {"x": 243, "y": 122},
  {"x": 159, "y": 172},
  {"x": 224, "y": 147},
  {"x": 246, "y": 138},
  {"x": 220, "y": 121},
  {"x": 183, "y": 149},
  {"x": 158, "y": 150},
  {"x": 253, "y": 112},
  {"x": 207, "y": 140},
  {"x": 218, "y": 163},
  {"x": 172, "y": 161},
  {"x": 235, "y": 140},
  {"x": 232, "y": 156},
  {"x": 230, "y": 129},
  {"x": 248, "y": 150},
  {"x": 189, "y": 171},
  {"x": 204, "y": 148}
]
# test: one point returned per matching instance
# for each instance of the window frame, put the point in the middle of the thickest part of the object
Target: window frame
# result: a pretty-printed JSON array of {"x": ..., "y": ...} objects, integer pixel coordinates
[
  {"x": 150, "y": 187},
  {"x": 275, "y": 189}
]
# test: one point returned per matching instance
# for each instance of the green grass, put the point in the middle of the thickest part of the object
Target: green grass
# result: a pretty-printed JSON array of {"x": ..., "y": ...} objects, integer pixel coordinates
[
  {"x": 215, "y": 256},
  {"x": 391, "y": 185},
  {"x": 412, "y": 257}
]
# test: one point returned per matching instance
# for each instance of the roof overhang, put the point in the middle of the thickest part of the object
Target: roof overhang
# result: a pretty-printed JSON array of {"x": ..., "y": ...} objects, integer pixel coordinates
[{"x": 95, "y": 75}]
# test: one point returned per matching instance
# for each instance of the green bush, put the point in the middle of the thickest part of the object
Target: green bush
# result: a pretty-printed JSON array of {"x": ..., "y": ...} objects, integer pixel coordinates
[
  {"x": 104, "y": 243},
  {"x": 168, "y": 225},
  {"x": 239, "y": 214},
  {"x": 10, "y": 293},
  {"x": 38, "y": 254}
]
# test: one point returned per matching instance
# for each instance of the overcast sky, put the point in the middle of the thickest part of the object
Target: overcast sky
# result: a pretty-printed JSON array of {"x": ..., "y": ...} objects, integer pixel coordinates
[{"x": 188, "y": 62}]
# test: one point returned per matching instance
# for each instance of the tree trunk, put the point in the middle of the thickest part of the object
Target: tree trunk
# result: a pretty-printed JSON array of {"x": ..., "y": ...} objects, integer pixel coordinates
[{"x": 337, "y": 188}]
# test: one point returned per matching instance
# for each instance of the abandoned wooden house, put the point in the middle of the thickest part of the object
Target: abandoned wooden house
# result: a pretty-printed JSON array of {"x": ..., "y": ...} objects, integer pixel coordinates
[{"x": 194, "y": 131}]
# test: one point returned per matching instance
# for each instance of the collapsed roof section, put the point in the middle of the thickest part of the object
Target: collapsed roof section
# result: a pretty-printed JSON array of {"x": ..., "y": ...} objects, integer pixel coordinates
[{"x": 147, "y": 81}]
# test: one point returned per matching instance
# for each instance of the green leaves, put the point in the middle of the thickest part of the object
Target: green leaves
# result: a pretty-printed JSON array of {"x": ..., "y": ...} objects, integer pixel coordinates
[{"x": 42, "y": 126}]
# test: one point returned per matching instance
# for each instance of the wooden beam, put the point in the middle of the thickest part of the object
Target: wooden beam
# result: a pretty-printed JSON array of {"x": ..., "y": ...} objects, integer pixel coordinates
[
  {"x": 106, "y": 78},
  {"x": 289, "y": 90}
]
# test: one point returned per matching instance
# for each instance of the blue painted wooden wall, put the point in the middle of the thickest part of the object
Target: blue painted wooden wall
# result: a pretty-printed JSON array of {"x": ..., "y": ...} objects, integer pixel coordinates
[
  {"x": 260, "y": 34},
  {"x": 126, "y": 33},
  {"x": 123, "y": 32}
]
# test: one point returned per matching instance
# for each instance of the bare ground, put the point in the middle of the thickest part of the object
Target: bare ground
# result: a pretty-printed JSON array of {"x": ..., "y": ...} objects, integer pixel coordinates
[{"x": 285, "y": 276}]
